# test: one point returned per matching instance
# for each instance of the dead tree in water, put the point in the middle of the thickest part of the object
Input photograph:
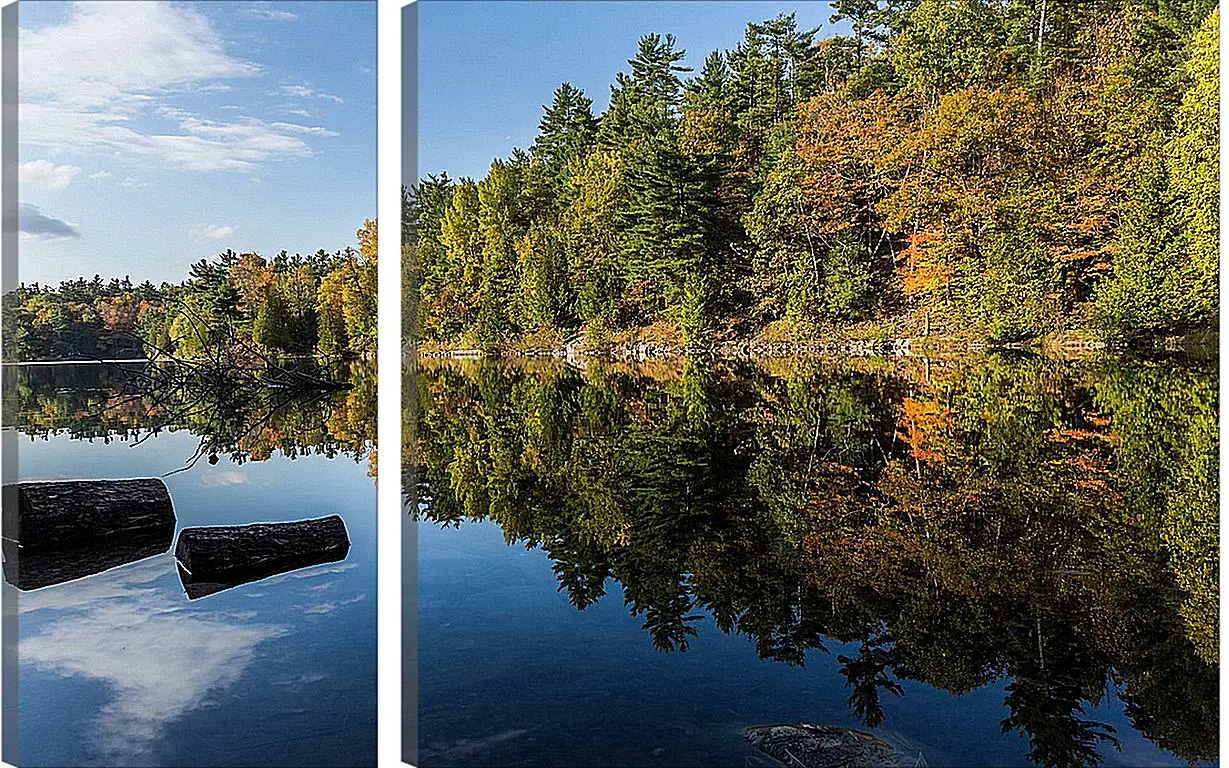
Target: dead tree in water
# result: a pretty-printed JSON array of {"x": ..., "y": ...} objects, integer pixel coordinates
[
  {"x": 215, "y": 558},
  {"x": 230, "y": 392},
  {"x": 232, "y": 361}
]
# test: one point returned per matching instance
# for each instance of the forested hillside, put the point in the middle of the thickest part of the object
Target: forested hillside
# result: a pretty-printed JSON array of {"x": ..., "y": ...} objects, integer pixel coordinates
[
  {"x": 291, "y": 304},
  {"x": 1003, "y": 170}
]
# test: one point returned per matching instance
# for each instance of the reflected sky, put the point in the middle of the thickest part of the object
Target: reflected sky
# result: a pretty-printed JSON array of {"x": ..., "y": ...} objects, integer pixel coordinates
[
  {"x": 120, "y": 668},
  {"x": 160, "y": 659}
]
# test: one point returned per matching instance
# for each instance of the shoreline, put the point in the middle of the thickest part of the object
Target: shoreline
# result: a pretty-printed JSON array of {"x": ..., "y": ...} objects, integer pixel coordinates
[{"x": 904, "y": 347}]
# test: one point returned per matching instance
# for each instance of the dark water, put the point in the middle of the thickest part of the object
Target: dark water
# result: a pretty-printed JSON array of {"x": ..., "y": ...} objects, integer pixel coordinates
[
  {"x": 1000, "y": 561},
  {"x": 120, "y": 668}
]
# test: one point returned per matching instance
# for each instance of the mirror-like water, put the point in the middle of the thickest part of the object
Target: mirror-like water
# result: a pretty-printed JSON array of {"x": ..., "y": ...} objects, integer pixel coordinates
[
  {"x": 999, "y": 561},
  {"x": 121, "y": 668}
]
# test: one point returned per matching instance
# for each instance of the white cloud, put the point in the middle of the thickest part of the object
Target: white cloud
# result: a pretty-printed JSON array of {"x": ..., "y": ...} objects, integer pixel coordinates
[
  {"x": 307, "y": 92},
  {"x": 100, "y": 81},
  {"x": 224, "y": 477},
  {"x": 117, "y": 55},
  {"x": 100, "y": 175},
  {"x": 33, "y": 224},
  {"x": 46, "y": 175},
  {"x": 214, "y": 232}
]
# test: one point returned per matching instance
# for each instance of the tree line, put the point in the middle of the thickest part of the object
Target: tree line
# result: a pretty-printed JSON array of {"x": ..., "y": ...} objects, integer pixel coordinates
[
  {"x": 1004, "y": 169},
  {"x": 322, "y": 303}
]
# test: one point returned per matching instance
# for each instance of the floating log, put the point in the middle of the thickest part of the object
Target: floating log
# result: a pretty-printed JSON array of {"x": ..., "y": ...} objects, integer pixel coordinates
[
  {"x": 59, "y": 531},
  {"x": 77, "y": 513},
  {"x": 216, "y": 558}
]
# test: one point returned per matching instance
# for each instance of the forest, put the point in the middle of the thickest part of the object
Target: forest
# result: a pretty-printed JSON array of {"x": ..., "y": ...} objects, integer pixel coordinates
[
  {"x": 320, "y": 304},
  {"x": 1009, "y": 171}
]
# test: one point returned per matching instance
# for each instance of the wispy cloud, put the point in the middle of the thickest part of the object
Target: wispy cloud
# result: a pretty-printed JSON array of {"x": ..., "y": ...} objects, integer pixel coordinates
[
  {"x": 314, "y": 130},
  {"x": 46, "y": 175},
  {"x": 34, "y": 224},
  {"x": 303, "y": 91},
  {"x": 214, "y": 232},
  {"x": 331, "y": 607},
  {"x": 101, "y": 82},
  {"x": 266, "y": 12}
]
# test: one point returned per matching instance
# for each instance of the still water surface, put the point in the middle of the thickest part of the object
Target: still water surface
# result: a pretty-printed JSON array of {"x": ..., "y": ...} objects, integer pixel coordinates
[
  {"x": 1000, "y": 561},
  {"x": 120, "y": 668}
]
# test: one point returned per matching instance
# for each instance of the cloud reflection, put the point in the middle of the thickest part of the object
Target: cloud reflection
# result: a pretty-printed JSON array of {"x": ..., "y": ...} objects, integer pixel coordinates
[{"x": 160, "y": 660}]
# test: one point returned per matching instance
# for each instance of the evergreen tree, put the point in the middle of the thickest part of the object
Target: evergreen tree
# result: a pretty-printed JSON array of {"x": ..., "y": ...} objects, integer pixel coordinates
[{"x": 566, "y": 131}]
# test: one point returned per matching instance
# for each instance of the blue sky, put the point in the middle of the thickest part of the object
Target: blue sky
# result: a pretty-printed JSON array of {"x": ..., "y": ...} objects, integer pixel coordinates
[
  {"x": 486, "y": 67},
  {"x": 152, "y": 135}
]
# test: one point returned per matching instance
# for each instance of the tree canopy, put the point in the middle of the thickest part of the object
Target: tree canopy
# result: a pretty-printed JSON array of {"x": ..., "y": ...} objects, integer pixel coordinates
[
  {"x": 322, "y": 303},
  {"x": 998, "y": 169}
]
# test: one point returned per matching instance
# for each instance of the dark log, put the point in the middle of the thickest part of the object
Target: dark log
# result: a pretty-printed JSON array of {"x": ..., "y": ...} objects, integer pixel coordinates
[
  {"x": 78, "y": 514},
  {"x": 217, "y": 558}
]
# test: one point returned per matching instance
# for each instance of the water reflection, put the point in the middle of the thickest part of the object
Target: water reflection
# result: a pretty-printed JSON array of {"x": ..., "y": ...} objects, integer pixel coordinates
[
  {"x": 44, "y": 569},
  {"x": 1045, "y": 524},
  {"x": 111, "y": 402},
  {"x": 123, "y": 630},
  {"x": 120, "y": 668}
]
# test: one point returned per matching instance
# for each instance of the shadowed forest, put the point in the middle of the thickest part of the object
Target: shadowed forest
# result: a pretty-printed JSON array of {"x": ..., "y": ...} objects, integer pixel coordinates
[{"x": 996, "y": 170}]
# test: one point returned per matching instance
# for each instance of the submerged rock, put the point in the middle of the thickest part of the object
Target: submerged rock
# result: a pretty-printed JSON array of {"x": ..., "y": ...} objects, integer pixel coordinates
[{"x": 804, "y": 745}]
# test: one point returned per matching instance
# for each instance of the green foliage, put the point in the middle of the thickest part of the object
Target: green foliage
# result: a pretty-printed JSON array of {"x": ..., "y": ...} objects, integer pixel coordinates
[
  {"x": 272, "y": 325},
  {"x": 566, "y": 132},
  {"x": 1008, "y": 168}
]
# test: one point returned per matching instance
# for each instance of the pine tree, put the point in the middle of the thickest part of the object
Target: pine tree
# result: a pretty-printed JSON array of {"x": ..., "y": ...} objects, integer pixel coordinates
[
  {"x": 566, "y": 131},
  {"x": 646, "y": 100}
]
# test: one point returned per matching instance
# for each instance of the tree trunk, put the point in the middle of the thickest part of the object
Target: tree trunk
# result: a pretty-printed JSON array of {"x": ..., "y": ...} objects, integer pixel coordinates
[{"x": 1041, "y": 27}]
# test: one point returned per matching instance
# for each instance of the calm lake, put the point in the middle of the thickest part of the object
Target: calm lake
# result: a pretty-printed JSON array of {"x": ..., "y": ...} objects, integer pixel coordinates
[
  {"x": 121, "y": 668},
  {"x": 1007, "y": 560}
]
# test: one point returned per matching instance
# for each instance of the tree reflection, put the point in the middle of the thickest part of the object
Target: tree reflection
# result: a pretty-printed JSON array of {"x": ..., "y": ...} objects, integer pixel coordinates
[
  {"x": 99, "y": 402},
  {"x": 1049, "y": 524}
]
